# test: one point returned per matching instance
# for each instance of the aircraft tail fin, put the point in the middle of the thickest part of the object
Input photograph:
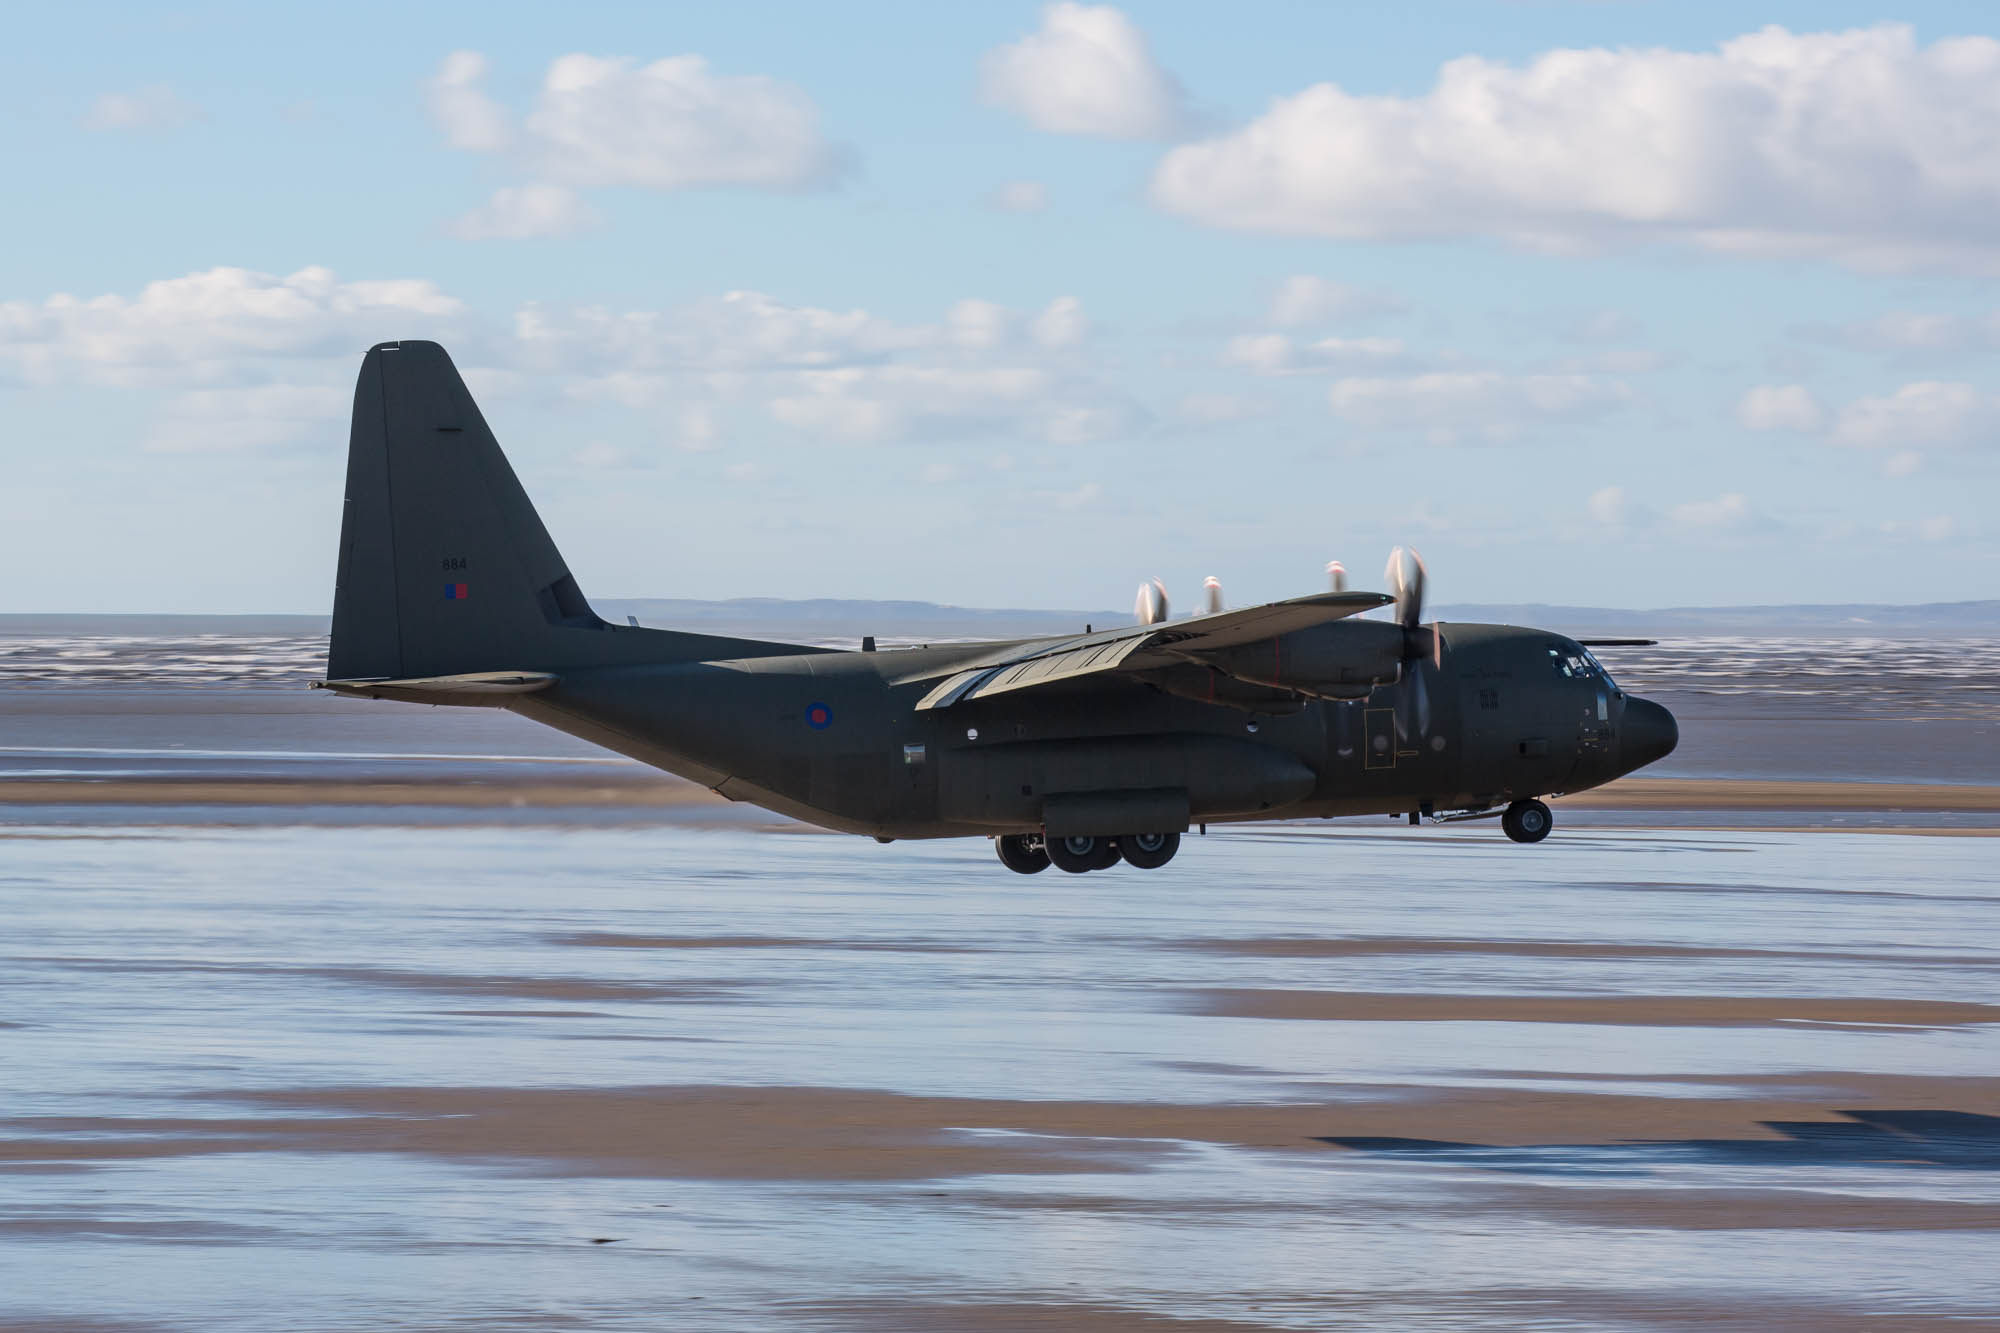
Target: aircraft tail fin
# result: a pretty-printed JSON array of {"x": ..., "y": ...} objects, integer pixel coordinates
[
  {"x": 444, "y": 565},
  {"x": 446, "y": 569}
]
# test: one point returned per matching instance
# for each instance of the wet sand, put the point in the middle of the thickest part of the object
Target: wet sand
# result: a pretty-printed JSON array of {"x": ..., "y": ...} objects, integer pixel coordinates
[
  {"x": 650, "y": 791},
  {"x": 326, "y": 1015},
  {"x": 796, "y": 1133},
  {"x": 467, "y": 1077}
]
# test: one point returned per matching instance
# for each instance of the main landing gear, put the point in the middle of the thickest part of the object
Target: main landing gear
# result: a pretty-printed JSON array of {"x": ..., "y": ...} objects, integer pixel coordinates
[
  {"x": 1031, "y": 853},
  {"x": 1527, "y": 821}
]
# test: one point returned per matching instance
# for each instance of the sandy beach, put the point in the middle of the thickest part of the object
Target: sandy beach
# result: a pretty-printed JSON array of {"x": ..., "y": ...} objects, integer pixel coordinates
[
  {"x": 681, "y": 1073},
  {"x": 328, "y": 1015}
]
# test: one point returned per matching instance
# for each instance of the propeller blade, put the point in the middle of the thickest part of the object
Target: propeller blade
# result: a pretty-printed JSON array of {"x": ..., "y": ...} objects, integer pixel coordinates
[
  {"x": 1336, "y": 576},
  {"x": 1405, "y": 576},
  {"x": 1211, "y": 594},
  {"x": 1151, "y": 606}
]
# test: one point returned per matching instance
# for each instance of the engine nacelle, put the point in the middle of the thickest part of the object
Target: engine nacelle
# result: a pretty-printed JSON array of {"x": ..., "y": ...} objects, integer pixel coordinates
[{"x": 1342, "y": 660}]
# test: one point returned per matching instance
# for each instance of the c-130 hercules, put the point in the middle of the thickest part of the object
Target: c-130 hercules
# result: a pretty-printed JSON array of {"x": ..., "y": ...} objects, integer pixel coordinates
[{"x": 1075, "y": 751}]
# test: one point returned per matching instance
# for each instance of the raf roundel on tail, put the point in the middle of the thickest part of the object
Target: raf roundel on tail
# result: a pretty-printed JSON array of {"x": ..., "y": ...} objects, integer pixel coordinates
[{"x": 1079, "y": 751}]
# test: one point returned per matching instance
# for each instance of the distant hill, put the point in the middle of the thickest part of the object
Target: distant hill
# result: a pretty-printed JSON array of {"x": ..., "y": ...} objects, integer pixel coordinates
[
  {"x": 831, "y": 620},
  {"x": 1856, "y": 619},
  {"x": 825, "y": 619}
]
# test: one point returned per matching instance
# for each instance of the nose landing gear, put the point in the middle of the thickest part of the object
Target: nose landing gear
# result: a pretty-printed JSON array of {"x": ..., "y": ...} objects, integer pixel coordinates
[{"x": 1527, "y": 821}]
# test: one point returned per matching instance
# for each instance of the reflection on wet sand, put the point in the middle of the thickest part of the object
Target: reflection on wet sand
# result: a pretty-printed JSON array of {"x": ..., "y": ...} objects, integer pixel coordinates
[
  {"x": 341, "y": 1017},
  {"x": 795, "y": 1133},
  {"x": 1625, "y": 1010}
]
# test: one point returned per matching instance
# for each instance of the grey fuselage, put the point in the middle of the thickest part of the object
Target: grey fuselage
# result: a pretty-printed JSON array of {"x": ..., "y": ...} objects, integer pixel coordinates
[{"x": 835, "y": 738}]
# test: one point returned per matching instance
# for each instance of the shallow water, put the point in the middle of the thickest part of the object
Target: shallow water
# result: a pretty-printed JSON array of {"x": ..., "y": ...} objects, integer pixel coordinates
[{"x": 252, "y": 1079}]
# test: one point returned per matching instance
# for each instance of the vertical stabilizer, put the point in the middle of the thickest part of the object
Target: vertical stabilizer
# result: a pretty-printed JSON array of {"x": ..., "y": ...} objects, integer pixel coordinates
[{"x": 444, "y": 565}]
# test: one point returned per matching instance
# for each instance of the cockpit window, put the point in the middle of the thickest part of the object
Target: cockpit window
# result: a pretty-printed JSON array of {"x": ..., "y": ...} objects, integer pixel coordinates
[{"x": 1573, "y": 663}]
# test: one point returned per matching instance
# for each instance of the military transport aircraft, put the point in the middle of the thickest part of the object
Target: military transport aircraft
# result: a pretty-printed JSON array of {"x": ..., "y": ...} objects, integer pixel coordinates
[{"x": 1076, "y": 751}]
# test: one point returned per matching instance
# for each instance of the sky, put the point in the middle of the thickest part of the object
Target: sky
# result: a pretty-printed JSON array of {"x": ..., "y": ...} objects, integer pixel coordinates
[{"x": 1599, "y": 303}]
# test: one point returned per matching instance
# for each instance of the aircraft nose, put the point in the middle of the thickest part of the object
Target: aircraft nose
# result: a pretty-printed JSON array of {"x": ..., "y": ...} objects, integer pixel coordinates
[{"x": 1649, "y": 733}]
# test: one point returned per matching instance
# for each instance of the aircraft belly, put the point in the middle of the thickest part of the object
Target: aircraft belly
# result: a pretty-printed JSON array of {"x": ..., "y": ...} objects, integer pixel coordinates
[{"x": 1009, "y": 785}]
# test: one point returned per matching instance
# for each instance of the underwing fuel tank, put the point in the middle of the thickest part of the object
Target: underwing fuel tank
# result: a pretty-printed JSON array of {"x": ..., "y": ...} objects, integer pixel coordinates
[{"x": 1012, "y": 782}]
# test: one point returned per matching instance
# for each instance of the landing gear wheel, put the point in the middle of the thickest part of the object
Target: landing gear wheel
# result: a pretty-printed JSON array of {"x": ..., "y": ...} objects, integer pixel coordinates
[
  {"x": 1149, "y": 851},
  {"x": 1022, "y": 853},
  {"x": 1077, "y": 854},
  {"x": 1527, "y": 821}
]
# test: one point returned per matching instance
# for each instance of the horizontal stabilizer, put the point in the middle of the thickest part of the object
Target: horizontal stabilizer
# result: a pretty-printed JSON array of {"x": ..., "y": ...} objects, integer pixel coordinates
[{"x": 491, "y": 688}]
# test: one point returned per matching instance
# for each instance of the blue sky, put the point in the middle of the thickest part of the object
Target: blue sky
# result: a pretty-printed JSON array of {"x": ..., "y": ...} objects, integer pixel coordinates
[{"x": 1612, "y": 303}]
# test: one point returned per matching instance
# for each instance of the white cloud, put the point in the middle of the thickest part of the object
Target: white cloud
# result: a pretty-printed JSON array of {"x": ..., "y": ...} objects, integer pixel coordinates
[
  {"x": 738, "y": 331},
  {"x": 1485, "y": 404},
  {"x": 1080, "y": 498},
  {"x": 1926, "y": 414},
  {"x": 1019, "y": 197},
  {"x": 675, "y": 124},
  {"x": 214, "y": 325},
  {"x": 1781, "y": 407},
  {"x": 1306, "y": 299},
  {"x": 1087, "y": 70},
  {"x": 979, "y": 325},
  {"x": 518, "y": 212},
  {"x": 1859, "y": 146},
  {"x": 1728, "y": 512},
  {"x": 1912, "y": 336},
  {"x": 469, "y": 118},
  {"x": 214, "y": 420},
  {"x": 1277, "y": 354},
  {"x": 897, "y": 402},
  {"x": 1061, "y": 323},
  {"x": 256, "y": 359},
  {"x": 1219, "y": 409},
  {"x": 598, "y": 456},
  {"x": 156, "y": 108},
  {"x": 671, "y": 125},
  {"x": 1936, "y": 528},
  {"x": 1609, "y": 506},
  {"x": 1902, "y": 463}
]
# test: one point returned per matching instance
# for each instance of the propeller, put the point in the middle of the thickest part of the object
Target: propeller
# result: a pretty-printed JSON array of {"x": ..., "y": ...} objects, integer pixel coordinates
[
  {"x": 1211, "y": 595},
  {"x": 1406, "y": 578},
  {"x": 1151, "y": 606}
]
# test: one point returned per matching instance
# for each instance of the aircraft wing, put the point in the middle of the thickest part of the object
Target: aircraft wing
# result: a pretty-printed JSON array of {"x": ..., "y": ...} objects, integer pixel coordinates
[{"x": 1144, "y": 647}]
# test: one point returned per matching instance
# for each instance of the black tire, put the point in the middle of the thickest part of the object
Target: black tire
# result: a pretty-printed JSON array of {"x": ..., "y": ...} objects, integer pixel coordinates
[
  {"x": 1022, "y": 853},
  {"x": 1076, "y": 855},
  {"x": 1149, "y": 851},
  {"x": 1527, "y": 821}
]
